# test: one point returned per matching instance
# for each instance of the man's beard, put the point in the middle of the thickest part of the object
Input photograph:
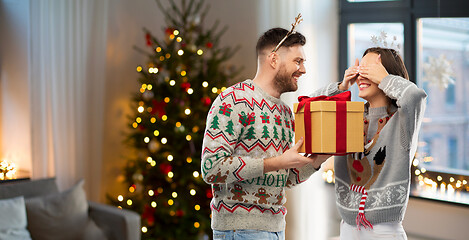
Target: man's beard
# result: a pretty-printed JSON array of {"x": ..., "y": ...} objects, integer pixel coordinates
[{"x": 283, "y": 81}]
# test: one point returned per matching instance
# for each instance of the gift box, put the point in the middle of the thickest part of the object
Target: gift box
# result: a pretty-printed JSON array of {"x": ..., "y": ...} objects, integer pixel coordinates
[{"x": 329, "y": 125}]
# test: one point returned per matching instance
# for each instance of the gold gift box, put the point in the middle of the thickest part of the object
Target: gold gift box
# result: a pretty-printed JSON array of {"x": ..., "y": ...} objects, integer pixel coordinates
[{"x": 323, "y": 126}]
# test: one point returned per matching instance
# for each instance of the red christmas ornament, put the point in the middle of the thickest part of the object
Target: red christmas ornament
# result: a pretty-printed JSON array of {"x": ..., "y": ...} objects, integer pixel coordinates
[
  {"x": 149, "y": 215},
  {"x": 169, "y": 31},
  {"x": 179, "y": 213},
  {"x": 158, "y": 108},
  {"x": 185, "y": 86},
  {"x": 165, "y": 168},
  {"x": 206, "y": 101},
  {"x": 208, "y": 193},
  {"x": 209, "y": 45},
  {"x": 148, "y": 38}
]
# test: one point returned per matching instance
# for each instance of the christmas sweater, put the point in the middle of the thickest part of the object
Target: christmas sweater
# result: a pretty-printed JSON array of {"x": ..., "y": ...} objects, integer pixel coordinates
[
  {"x": 373, "y": 187},
  {"x": 245, "y": 125}
]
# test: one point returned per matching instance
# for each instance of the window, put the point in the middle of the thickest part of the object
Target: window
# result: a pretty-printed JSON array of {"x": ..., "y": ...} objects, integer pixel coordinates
[
  {"x": 453, "y": 153},
  {"x": 450, "y": 95},
  {"x": 371, "y": 0},
  {"x": 434, "y": 41},
  {"x": 442, "y": 72},
  {"x": 426, "y": 147}
]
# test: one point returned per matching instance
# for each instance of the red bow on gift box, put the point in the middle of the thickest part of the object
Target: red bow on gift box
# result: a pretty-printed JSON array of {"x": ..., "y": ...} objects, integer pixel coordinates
[{"x": 341, "y": 119}]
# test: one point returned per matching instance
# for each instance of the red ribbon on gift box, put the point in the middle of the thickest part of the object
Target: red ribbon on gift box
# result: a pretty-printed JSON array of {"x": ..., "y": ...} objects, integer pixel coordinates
[{"x": 341, "y": 118}]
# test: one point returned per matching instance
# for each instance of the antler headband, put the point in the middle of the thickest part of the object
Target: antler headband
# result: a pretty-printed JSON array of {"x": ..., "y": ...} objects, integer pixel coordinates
[{"x": 298, "y": 20}]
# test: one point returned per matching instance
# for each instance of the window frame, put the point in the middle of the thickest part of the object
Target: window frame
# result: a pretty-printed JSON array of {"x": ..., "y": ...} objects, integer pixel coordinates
[
  {"x": 406, "y": 12},
  {"x": 365, "y": 12}
]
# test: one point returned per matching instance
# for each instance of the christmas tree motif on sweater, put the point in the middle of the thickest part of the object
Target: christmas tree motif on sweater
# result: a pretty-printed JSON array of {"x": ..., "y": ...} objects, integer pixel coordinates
[
  {"x": 238, "y": 193},
  {"x": 262, "y": 195},
  {"x": 265, "y": 133},
  {"x": 250, "y": 134},
  {"x": 290, "y": 137},
  {"x": 225, "y": 109},
  {"x": 265, "y": 118},
  {"x": 229, "y": 127},
  {"x": 246, "y": 120},
  {"x": 241, "y": 133},
  {"x": 278, "y": 121},
  {"x": 283, "y": 135},
  {"x": 214, "y": 123},
  {"x": 275, "y": 133}
]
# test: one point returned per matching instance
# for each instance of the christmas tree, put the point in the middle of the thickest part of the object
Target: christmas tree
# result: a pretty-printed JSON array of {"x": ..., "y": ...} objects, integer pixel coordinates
[
  {"x": 275, "y": 133},
  {"x": 214, "y": 123},
  {"x": 265, "y": 132},
  {"x": 251, "y": 134},
  {"x": 229, "y": 128},
  {"x": 186, "y": 70}
]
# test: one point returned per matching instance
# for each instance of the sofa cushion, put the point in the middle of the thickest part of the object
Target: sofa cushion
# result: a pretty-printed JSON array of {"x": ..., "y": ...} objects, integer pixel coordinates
[
  {"x": 93, "y": 232},
  {"x": 13, "y": 219},
  {"x": 61, "y": 216},
  {"x": 28, "y": 188}
]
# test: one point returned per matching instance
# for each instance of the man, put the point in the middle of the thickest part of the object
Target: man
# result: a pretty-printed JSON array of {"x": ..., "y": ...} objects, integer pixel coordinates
[{"x": 247, "y": 154}]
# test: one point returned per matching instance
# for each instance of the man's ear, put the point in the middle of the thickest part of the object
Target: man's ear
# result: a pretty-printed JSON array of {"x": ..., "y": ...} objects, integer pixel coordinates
[{"x": 273, "y": 60}]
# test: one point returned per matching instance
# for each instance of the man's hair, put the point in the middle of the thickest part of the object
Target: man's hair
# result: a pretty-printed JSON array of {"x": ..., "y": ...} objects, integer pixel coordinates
[{"x": 269, "y": 40}]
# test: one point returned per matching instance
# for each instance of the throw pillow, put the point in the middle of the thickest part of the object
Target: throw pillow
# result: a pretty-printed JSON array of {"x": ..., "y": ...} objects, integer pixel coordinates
[
  {"x": 13, "y": 219},
  {"x": 61, "y": 216}
]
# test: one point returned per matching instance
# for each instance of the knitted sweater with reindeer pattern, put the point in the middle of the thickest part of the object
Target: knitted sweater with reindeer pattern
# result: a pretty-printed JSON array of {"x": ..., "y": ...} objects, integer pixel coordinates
[
  {"x": 375, "y": 183},
  {"x": 245, "y": 125}
]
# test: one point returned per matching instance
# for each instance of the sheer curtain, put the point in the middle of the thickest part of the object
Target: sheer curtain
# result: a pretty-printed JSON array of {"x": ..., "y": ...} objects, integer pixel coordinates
[
  {"x": 15, "y": 131},
  {"x": 311, "y": 205},
  {"x": 66, "y": 78}
]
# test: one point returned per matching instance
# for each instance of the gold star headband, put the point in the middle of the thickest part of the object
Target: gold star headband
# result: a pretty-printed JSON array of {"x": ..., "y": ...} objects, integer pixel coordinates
[{"x": 298, "y": 20}]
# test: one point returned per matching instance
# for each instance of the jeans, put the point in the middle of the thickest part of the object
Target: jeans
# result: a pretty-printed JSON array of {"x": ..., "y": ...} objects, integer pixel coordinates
[
  {"x": 382, "y": 231},
  {"x": 247, "y": 234}
]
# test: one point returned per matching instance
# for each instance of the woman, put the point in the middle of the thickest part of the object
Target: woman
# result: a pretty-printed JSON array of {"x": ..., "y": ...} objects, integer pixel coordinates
[{"x": 372, "y": 188}]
